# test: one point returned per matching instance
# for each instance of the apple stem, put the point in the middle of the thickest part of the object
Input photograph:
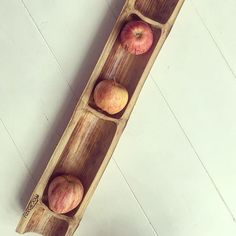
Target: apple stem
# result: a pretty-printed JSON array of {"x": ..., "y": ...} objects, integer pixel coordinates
[{"x": 138, "y": 35}]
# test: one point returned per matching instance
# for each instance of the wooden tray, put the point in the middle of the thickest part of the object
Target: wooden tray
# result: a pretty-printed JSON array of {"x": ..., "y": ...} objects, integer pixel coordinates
[{"x": 92, "y": 135}]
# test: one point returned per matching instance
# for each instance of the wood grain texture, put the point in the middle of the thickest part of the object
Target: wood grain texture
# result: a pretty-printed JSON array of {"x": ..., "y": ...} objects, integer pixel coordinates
[
  {"x": 149, "y": 9},
  {"x": 91, "y": 135}
]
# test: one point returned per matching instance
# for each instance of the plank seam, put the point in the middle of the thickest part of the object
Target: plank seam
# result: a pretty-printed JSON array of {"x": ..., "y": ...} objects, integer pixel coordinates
[
  {"x": 48, "y": 46},
  {"x": 196, "y": 153},
  {"x": 131, "y": 190},
  {"x": 213, "y": 39},
  {"x": 18, "y": 150}
]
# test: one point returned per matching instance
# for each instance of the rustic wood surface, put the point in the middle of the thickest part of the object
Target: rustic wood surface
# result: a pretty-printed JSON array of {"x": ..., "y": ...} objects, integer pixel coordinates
[{"x": 92, "y": 135}]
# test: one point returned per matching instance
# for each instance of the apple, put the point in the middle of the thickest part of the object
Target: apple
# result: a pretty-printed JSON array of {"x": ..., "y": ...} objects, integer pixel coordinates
[
  {"x": 110, "y": 96},
  {"x": 136, "y": 37},
  {"x": 65, "y": 192}
]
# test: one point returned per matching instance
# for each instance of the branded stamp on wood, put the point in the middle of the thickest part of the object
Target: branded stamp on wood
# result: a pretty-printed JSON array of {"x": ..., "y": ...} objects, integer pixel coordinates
[{"x": 34, "y": 200}]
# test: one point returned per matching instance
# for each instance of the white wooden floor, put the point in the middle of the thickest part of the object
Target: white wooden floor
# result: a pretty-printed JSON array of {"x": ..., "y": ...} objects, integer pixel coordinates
[{"x": 174, "y": 170}]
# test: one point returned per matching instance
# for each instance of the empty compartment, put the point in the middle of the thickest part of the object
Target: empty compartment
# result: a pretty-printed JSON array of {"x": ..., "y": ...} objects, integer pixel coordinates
[
  {"x": 85, "y": 150},
  {"x": 158, "y": 10},
  {"x": 43, "y": 223},
  {"x": 125, "y": 68}
]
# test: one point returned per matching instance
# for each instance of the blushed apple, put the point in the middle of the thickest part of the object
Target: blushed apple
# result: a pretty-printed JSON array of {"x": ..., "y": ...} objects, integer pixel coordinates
[
  {"x": 65, "y": 192},
  {"x": 110, "y": 96},
  {"x": 136, "y": 37}
]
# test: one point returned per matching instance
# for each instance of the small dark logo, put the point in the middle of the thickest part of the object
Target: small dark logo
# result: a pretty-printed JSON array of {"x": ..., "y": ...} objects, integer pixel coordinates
[{"x": 34, "y": 200}]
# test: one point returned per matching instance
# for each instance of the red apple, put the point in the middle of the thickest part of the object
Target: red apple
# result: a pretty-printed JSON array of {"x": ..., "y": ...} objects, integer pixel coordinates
[
  {"x": 110, "y": 96},
  {"x": 136, "y": 37},
  {"x": 65, "y": 192}
]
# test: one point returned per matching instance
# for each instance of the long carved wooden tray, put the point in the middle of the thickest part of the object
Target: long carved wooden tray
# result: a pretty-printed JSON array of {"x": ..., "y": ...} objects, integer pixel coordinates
[{"x": 92, "y": 135}]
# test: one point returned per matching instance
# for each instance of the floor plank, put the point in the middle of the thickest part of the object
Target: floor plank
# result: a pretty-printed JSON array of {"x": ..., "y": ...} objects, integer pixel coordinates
[
  {"x": 166, "y": 176},
  {"x": 76, "y": 34},
  {"x": 13, "y": 176},
  {"x": 201, "y": 91},
  {"x": 113, "y": 210},
  {"x": 32, "y": 87},
  {"x": 219, "y": 19}
]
